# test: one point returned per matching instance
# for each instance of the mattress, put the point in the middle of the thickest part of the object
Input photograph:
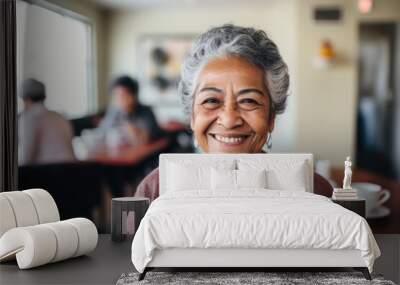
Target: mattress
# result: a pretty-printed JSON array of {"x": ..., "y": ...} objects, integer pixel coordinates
[{"x": 251, "y": 219}]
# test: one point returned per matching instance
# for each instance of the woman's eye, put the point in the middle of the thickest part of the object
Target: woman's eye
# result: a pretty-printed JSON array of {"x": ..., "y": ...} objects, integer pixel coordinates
[
  {"x": 248, "y": 103},
  {"x": 211, "y": 103}
]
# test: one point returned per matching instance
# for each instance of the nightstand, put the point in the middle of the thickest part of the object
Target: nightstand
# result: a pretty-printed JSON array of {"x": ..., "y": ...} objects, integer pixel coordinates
[
  {"x": 357, "y": 205},
  {"x": 126, "y": 214}
]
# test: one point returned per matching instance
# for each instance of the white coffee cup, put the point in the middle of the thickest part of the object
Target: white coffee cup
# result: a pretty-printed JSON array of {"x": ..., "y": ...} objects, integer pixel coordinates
[{"x": 372, "y": 193}]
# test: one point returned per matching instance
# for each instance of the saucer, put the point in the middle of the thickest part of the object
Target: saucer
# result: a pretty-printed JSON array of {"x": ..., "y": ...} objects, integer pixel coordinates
[{"x": 379, "y": 212}]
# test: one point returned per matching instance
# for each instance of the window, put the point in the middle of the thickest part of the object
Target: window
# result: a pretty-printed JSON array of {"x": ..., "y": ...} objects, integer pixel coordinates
[{"x": 55, "y": 46}]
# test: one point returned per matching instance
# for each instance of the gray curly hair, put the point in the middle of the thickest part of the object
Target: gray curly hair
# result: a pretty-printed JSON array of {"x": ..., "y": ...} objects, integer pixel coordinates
[{"x": 248, "y": 43}]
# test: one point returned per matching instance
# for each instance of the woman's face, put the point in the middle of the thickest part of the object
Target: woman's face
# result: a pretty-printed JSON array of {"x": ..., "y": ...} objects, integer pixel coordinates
[{"x": 231, "y": 107}]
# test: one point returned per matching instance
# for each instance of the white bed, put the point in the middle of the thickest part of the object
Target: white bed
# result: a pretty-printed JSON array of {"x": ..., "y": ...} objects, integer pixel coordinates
[{"x": 248, "y": 227}]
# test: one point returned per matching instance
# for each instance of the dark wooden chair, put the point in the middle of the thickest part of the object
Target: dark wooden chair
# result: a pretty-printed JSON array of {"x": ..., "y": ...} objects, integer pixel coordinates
[
  {"x": 87, "y": 122},
  {"x": 322, "y": 186},
  {"x": 75, "y": 187}
]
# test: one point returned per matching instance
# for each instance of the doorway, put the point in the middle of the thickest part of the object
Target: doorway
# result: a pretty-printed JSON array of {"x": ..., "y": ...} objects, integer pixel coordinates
[{"x": 378, "y": 99}]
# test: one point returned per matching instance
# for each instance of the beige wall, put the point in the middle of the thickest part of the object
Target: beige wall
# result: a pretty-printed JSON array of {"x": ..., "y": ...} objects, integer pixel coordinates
[
  {"x": 327, "y": 98},
  {"x": 98, "y": 17}
]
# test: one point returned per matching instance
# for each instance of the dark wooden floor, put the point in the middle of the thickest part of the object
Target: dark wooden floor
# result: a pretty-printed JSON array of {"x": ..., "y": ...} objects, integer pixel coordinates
[{"x": 106, "y": 264}]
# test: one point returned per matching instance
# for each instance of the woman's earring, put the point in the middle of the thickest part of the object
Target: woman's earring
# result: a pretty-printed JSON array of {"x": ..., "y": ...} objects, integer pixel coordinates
[
  {"x": 269, "y": 142},
  {"x": 268, "y": 145},
  {"x": 196, "y": 145}
]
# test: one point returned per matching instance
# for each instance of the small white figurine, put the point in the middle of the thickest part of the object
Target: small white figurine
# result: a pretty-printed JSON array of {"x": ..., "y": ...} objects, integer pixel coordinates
[{"x": 347, "y": 174}]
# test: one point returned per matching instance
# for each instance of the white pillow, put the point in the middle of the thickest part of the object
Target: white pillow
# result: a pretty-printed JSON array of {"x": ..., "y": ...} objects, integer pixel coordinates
[
  {"x": 251, "y": 178},
  {"x": 293, "y": 179},
  {"x": 282, "y": 173},
  {"x": 237, "y": 179},
  {"x": 189, "y": 176},
  {"x": 183, "y": 177},
  {"x": 223, "y": 179}
]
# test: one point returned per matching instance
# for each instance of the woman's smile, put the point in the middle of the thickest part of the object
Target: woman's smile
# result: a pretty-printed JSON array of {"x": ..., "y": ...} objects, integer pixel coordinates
[{"x": 229, "y": 139}]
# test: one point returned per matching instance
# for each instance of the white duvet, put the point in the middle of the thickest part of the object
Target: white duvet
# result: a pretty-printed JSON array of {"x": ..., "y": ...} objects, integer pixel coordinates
[{"x": 254, "y": 218}]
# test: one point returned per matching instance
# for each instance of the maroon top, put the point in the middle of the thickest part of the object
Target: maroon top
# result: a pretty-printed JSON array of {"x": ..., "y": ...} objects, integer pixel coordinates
[{"x": 150, "y": 186}]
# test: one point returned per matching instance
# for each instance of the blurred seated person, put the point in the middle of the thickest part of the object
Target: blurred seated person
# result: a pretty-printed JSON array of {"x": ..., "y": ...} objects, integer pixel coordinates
[
  {"x": 127, "y": 122},
  {"x": 44, "y": 136}
]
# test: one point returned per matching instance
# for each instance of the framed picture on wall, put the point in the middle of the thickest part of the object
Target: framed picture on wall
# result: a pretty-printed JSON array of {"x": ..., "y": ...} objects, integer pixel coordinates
[{"x": 159, "y": 61}]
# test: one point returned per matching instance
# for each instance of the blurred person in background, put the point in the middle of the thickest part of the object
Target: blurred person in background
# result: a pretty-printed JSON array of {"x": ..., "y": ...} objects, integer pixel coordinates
[
  {"x": 127, "y": 121},
  {"x": 44, "y": 136}
]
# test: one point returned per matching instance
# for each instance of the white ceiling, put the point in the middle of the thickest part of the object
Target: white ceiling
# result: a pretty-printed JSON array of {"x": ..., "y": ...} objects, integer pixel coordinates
[{"x": 134, "y": 4}]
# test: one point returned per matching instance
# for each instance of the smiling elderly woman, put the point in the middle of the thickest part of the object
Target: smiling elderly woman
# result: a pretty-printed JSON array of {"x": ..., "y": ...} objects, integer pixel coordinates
[{"x": 233, "y": 84}]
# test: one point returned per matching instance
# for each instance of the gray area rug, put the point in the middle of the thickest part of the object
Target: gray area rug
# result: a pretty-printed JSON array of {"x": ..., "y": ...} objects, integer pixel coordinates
[{"x": 228, "y": 278}]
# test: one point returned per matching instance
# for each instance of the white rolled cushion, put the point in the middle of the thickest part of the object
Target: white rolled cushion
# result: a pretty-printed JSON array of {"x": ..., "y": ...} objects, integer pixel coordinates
[
  {"x": 45, "y": 205},
  {"x": 40, "y": 244},
  {"x": 7, "y": 218},
  {"x": 251, "y": 178},
  {"x": 87, "y": 235},
  {"x": 223, "y": 179},
  {"x": 23, "y": 208},
  {"x": 33, "y": 246},
  {"x": 67, "y": 239}
]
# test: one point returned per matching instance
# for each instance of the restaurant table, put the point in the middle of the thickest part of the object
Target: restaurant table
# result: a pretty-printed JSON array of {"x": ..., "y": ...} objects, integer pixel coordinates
[
  {"x": 172, "y": 127},
  {"x": 130, "y": 156},
  {"x": 385, "y": 225},
  {"x": 127, "y": 164}
]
